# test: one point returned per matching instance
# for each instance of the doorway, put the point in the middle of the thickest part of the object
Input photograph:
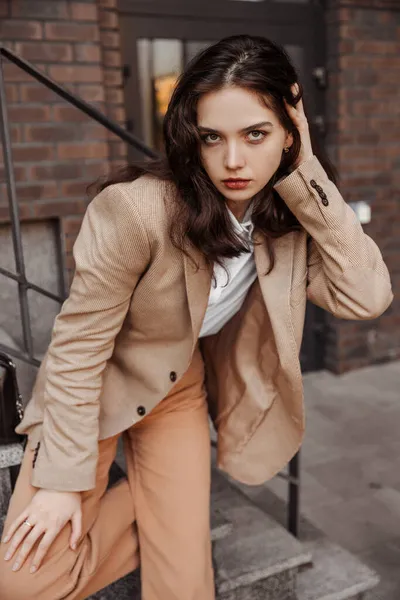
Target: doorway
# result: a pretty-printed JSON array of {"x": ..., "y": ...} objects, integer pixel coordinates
[{"x": 159, "y": 38}]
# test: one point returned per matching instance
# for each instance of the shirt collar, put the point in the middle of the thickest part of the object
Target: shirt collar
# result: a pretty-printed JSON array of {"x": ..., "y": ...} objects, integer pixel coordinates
[{"x": 246, "y": 226}]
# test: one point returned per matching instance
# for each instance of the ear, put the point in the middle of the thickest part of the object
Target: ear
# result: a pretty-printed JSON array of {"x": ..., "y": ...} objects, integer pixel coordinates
[{"x": 288, "y": 140}]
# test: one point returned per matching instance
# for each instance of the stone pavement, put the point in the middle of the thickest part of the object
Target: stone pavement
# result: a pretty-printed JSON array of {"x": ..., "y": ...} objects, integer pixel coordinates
[{"x": 351, "y": 466}]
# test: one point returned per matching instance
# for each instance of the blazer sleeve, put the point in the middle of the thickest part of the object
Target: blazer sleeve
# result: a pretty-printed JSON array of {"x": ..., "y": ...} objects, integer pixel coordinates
[
  {"x": 346, "y": 272},
  {"x": 111, "y": 253}
]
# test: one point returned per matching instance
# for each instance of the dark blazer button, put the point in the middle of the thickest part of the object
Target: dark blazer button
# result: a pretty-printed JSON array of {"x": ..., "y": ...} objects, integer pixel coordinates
[
  {"x": 325, "y": 201},
  {"x": 313, "y": 183},
  {"x": 173, "y": 376},
  {"x": 141, "y": 411}
]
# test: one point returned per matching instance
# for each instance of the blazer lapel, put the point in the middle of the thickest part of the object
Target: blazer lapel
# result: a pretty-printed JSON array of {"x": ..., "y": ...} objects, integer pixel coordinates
[
  {"x": 198, "y": 282},
  {"x": 275, "y": 289}
]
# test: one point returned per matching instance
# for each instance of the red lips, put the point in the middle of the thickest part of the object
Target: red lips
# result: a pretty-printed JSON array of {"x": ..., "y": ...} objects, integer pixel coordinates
[{"x": 236, "y": 184}]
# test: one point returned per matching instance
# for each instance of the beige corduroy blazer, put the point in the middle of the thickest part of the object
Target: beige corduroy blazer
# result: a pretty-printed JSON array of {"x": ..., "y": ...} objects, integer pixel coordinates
[{"x": 135, "y": 309}]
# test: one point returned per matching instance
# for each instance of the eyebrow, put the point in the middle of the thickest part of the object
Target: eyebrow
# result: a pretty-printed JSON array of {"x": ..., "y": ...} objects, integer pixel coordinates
[{"x": 244, "y": 130}]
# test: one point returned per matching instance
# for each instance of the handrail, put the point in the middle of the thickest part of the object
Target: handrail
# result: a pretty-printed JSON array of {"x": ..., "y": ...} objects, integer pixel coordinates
[
  {"x": 82, "y": 105},
  {"x": 20, "y": 277}
]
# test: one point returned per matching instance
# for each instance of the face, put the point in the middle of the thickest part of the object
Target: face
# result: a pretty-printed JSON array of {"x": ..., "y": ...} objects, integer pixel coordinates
[{"x": 242, "y": 143}]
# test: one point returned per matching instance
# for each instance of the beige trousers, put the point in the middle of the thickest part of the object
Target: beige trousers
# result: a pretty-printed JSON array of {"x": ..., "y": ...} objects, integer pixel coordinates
[{"x": 159, "y": 516}]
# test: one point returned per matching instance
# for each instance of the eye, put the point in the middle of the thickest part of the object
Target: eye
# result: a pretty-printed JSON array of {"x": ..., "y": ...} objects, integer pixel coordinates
[
  {"x": 210, "y": 138},
  {"x": 256, "y": 136}
]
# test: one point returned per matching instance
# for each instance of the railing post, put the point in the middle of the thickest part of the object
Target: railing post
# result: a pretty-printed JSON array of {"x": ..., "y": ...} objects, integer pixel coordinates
[
  {"x": 15, "y": 218},
  {"x": 294, "y": 495}
]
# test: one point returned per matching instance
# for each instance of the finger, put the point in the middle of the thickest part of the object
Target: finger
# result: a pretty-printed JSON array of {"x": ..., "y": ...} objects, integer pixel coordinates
[
  {"x": 43, "y": 548},
  {"x": 16, "y": 540},
  {"x": 14, "y": 526},
  {"x": 76, "y": 523},
  {"x": 27, "y": 546},
  {"x": 300, "y": 107},
  {"x": 295, "y": 89}
]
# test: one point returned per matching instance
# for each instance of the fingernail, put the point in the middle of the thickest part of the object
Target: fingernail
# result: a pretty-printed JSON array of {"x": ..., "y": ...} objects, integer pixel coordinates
[
  {"x": 15, "y": 566},
  {"x": 7, "y": 556},
  {"x": 5, "y": 539},
  {"x": 73, "y": 546},
  {"x": 33, "y": 569}
]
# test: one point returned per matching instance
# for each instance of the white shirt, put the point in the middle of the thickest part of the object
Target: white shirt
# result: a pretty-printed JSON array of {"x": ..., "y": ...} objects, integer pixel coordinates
[{"x": 227, "y": 294}]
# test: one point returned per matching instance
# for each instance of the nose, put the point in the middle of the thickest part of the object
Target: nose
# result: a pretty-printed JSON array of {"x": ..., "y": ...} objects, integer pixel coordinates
[{"x": 234, "y": 158}]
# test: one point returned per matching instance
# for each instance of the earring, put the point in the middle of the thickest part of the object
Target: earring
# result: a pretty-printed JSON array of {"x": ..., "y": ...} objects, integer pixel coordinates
[{"x": 286, "y": 150}]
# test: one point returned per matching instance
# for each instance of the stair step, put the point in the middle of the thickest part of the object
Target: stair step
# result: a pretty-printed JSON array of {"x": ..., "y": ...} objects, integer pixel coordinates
[
  {"x": 220, "y": 526},
  {"x": 254, "y": 558},
  {"x": 335, "y": 574},
  {"x": 259, "y": 558}
]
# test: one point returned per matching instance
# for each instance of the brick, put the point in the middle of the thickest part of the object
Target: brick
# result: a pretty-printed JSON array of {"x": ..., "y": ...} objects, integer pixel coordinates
[
  {"x": 117, "y": 113},
  {"x": 27, "y": 114},
  {"x": 44, "y": 51},
  {"x": 69, "y": 243},
  {"x": 33, "y": 153},
  {"x": 71, "y": 225},
  {"x": 74, "y": 189},
  {"x": 12, "y": 93},
  {"x": 113, "y": 77},
  {"x": 384, "y": 91},
  {"x": 20, "y": 174},
  {"x": 91, "y": 93},
  {"x": 32, "y": 192},
  {"x": 25, "y": 212},
  {"x": 94, "y": 131},
  {"x": 73, "y": 32},
  {"x": 82, "y": 151},
  {"x": 114, "y": 95},
  {"x": 76, "y": 73},
  {"x": 110, "y": 39},
  {"x": 83, "y": 12},
  {"x": 89, "y": 53},
  {"x": 20, "y": 30},
  {"x": 39, "y": 9},
  {"x": 112, "y": 58},
  {"x": 95, "y": 170},
  {"x": 118, "y": 150},
  {"x": 59, "y": 208},
  {"x": 50, "y": 133},
  {"x": 70, "y": 114},
  {"x": 36, "y": 93},
  {"x": 16, "y": 134},
  {"x": 12, "y": 73},
  {"x": 378, "y": 47},
  {"x": 57, "y": 171},
  {"x": 108, "y": 19}
]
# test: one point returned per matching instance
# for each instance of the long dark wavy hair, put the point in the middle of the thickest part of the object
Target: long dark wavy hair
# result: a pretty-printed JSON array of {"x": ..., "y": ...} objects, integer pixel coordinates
[{"x": 251, "y": 62}]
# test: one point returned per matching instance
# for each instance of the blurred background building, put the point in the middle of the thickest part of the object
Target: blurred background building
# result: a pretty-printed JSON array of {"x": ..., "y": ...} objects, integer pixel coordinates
[{"x": 124, "y": 56}]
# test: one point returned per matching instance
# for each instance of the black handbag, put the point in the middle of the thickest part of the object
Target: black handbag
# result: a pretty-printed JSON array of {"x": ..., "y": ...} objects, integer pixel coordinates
[{"x": 11, "y": 407}]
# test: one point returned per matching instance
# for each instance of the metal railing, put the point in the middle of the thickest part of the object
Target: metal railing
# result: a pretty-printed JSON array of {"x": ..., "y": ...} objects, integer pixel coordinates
[{"x": 24, "y": 285}]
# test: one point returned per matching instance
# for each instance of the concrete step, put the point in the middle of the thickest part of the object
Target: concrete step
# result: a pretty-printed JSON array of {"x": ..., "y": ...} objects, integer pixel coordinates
[
  {"x": 259, "y": 558},
  {"x": 335, "y": 574},
  {"x": 254, "y": 557}
]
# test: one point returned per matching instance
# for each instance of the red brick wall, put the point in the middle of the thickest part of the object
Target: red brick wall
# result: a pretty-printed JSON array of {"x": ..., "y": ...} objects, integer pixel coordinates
[
  {"x": 57, "y": 150},
  {"x": 364, "y": 141}
]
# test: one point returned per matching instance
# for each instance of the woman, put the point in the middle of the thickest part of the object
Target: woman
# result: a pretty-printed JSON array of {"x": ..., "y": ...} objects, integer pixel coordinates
[{"x": 189, "y": 297}]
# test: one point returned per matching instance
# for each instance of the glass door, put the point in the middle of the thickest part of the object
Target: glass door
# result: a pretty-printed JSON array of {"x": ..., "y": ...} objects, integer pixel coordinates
[{"x": 159, "y": 37}]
